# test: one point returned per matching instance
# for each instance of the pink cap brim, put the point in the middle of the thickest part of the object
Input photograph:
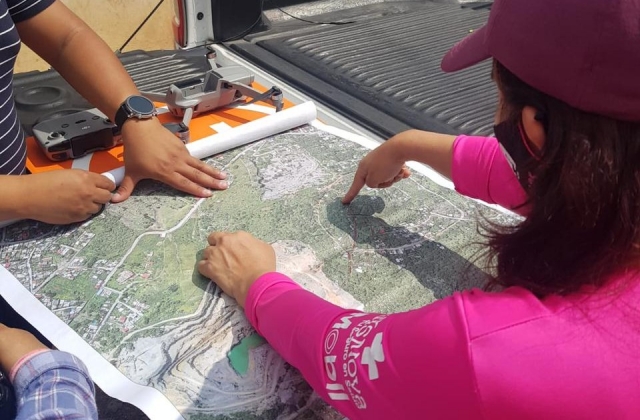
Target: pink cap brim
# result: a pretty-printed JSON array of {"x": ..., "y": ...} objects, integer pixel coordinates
[{"x": 471, "y": 50}]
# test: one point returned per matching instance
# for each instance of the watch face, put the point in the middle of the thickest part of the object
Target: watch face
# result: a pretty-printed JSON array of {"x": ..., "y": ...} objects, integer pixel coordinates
[{"x": 140, "y": 105}]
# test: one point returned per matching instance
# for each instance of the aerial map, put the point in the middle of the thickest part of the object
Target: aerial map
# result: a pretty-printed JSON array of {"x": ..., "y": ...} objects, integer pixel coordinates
[{"x": 125, "y": 281}]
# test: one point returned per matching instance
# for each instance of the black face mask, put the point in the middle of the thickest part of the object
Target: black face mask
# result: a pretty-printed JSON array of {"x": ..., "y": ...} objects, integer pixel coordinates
[{"x": 515, "y": 145}]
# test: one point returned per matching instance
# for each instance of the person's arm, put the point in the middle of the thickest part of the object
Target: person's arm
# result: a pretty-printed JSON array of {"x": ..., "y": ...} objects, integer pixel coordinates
[
  {"x": 86, "y": 62},
  {"x": 432, "y": 149},
  {"x": 384, "y": 166},
  {"x": 48, "y": 384},
  {"x": 72, "y": 48},
  {"x": 370, "y": 366},
  {"x": 481, "y": 170},
  {"x": 13, "y": 204},
  {"x": 476, "y": 165},
  {"x": 53, "y": 385}
]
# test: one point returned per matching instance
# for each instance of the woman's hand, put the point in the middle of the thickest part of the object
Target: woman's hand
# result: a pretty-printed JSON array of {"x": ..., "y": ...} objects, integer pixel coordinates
[
  {"x": 153, "y": 152},
  {"x": 384, "y": 166},
  {"x": 381, "y": 168},
  {"x": 234, "y": 261}
]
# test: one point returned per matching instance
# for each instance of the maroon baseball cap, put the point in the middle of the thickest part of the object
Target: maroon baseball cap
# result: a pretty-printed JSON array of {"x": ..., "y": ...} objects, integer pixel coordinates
[{"x": 583, "y": 52}]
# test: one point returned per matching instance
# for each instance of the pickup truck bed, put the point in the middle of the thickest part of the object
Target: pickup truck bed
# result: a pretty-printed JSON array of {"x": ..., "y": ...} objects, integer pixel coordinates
[{"x": 383, "y": 70}]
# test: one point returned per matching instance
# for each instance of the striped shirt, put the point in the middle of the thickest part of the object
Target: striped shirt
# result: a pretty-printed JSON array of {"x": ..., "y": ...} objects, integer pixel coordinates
[{"x": 13, "y": 151}]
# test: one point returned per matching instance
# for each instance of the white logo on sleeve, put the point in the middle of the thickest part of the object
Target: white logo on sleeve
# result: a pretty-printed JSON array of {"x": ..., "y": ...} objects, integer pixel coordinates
[{"x": 373, "y": 355}]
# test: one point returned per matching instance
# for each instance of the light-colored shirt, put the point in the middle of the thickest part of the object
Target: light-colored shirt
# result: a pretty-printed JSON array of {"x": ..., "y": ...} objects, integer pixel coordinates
[{"x": 472, "y": 355}]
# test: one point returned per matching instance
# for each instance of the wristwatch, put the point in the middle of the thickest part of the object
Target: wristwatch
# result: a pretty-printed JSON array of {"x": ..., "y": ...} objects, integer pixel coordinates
[{"x": 135, "y": 106}]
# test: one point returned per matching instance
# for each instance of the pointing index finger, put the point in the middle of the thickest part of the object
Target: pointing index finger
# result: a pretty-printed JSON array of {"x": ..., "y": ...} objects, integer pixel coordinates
[{"x": 356, "y": 186}]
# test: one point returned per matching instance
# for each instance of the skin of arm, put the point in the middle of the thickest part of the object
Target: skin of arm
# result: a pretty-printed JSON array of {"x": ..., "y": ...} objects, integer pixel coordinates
[
  {"x": 11, "y": 189},
  {"x": 78, "y": 54},
  {"x": 432, "y": 149},
  {"x": 384, "y": 166},
  {"x": 14, "y": 344}
]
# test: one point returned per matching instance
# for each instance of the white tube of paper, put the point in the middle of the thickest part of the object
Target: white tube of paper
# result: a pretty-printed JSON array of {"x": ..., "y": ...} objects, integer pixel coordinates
[{"x": 243, "y": 134}]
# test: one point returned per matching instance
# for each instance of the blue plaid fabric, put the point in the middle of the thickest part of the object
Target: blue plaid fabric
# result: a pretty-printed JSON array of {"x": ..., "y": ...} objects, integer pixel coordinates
[{"x": 54, "y": 385}]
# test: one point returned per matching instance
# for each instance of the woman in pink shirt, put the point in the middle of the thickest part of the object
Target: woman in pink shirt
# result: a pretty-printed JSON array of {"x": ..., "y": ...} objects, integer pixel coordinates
[{"x": 556, "y": 333}]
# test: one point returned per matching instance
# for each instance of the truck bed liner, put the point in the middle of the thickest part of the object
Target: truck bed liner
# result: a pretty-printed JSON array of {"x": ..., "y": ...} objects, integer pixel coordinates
[{"x": 384, "y": 71}]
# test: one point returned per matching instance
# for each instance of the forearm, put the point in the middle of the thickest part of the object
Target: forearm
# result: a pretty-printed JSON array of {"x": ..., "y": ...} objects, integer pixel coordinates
[
  {"x": 368, "y": 365},
  {"x": 338, "y": 351},
  {"x": 294, "y": 322},
  {"x": 432, "y": 149},
  {"x": 13, "y": 204},
  {"x": 80, "y": 56}
]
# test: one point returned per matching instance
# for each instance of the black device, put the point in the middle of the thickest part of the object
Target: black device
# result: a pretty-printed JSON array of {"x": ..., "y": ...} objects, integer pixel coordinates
[
  {"x": 203, "y": 22},
  {"x": 234, "y": 19},
  {"x": 75, "y": 135}
]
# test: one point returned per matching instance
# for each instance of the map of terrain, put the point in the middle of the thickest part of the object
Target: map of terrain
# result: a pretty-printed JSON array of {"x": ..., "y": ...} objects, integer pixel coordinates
[{"x": 126, "y": 281}]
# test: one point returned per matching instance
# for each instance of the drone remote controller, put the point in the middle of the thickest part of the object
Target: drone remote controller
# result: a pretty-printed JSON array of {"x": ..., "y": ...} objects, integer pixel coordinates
[{"x": 75, "y": 135}]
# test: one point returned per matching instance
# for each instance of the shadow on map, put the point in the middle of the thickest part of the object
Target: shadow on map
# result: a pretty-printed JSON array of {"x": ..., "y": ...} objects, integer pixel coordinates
[
  {"x": 434, "y": 265},
  {"x": 219, "y": 379}
]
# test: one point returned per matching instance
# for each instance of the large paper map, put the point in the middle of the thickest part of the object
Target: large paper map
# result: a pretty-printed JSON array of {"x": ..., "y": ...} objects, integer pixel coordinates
[{"x": 126, "y": 282}]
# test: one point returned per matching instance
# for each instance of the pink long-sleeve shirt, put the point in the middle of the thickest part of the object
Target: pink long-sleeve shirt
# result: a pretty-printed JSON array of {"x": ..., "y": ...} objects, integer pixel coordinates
[{"x": 472, "y": 355}]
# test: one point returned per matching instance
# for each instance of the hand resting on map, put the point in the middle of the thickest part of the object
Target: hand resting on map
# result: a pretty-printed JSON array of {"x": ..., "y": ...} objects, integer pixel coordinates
[
  {"x": 234, "y": 261},
  {"x": 153, "y": 152}
]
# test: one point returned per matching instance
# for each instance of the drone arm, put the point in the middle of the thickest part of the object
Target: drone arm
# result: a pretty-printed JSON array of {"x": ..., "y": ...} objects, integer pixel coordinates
[
  {"x": 188, "y": 114},
  {"x": 156, "y": 97},
  {"x": 273, "y": 96}
]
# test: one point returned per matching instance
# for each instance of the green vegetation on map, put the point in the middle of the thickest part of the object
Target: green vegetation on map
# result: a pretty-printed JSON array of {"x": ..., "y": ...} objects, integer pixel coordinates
[{"x": 79, "y": 288}]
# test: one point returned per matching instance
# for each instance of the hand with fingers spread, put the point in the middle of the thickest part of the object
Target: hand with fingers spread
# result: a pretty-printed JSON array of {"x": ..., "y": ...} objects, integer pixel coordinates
[
  {"x": 64, "y": 196},
  {"x": 381, "y": 168},
  {"x": 234, "y": 261},
  {"x": 153, "y": 152}
]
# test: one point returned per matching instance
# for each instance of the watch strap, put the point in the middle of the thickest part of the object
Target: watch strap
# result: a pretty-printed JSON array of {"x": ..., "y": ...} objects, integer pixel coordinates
[
  {"x": 127, "y": 111},
  {"x": 122, "y": 115}
]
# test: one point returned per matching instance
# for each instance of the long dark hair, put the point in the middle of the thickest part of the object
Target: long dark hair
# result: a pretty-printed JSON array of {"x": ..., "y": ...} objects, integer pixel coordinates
[{"x": 584, "y": 220}]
